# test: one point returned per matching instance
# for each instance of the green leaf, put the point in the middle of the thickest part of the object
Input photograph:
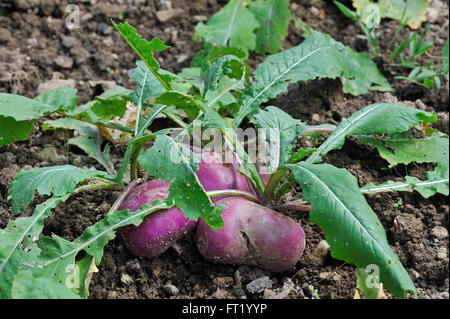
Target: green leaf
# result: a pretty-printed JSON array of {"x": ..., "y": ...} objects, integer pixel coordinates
[
  {"x": 176, "y": 164},
  {"x": 28, "y": 286},
  {"x": 145, "y": 50},
  {"x": 110, "y": 108},
  {"x": 379, "y": 118},
  {"x": 233, "y": 25},
  {"x": 55, "y": 180},
  {"x": 89, "y": 139},
  {"x": 318, "y": 56},
  {"x": 351, "y": 227},
  {"x": 413, "y": 11},
  {"x": 273, "y": 17},
  {"x": 18, "y": 250},
  {"x": 182, "y": 101},
  {"x": 368, "y": 282},
  {"x": 61, "y": 97},
  {"x": 18, "y": 113},
  {"x": 404, "y": 148},
  {"x": 12, "y": 130},
  {"x": 368, "y": 77},
  {"x": 437, "y": 181},
  {"x": 148, "y": 85},
  {"x": 284, "y": 128},
  {"x": 228, "y": 65}
]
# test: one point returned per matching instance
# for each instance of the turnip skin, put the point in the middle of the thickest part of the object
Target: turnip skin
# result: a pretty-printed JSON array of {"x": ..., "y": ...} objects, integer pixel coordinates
[
  {"x": 252, "y": 235},
  {"x": 160, "y": 229},
  {"x": 214, "y": 175}
]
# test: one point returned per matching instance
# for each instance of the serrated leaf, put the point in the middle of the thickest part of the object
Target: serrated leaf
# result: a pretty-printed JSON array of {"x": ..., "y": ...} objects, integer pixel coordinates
[
  {"x": 379, "y": 118},
  {"x": 55, "y": 180},
  {"x": 182, "y": 101},
  {"x": 176, "y": 164},
  {"x": 318, "y": 56},
  {"x": 404, "y": 148},
  {"x": 413, "y": 11},
  {"x": 89, "y": 140},
  {"x": 233, "y": 25},
  {"x": 437, "y": 181},
  {"x": 273, "y": 17},
  {"x": 228, "y": 65},
  {"x": 368, "y": 77},
  {"x": 145, "y": 50},
  {"x": 286, "y": 129},
  {"x": 26, "y": 285},
  {"x": 18, "y": 250},
  {"x": 351, "y": 226}
]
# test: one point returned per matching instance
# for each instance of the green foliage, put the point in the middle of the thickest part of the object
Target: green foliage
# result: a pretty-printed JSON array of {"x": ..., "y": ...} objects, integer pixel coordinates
[
  {"x": 89, "y": 139},
  {"x": 379, "y": 118},
  {"x": 17, "y": 113},
  {"x": 233, "y": 25},
  {"x": 18, "y": 250},
  {"x": 56, "y": 180},
  {"x": 317, "y": 57},
  {"x": 351, "y": 227},
  {"x": 176, "y": 164},
  {"x": 286, "y": 128},
  {"x": 273, "y": 17},
  {"x": 368, "y": 77}
]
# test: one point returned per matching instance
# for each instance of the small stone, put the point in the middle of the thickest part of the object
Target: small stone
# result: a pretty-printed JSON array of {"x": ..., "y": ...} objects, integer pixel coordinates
[
  {"x": 414, "y": 274},
  {"x": 258, "y": 285},
  {"x": 183, "y": 57},
  {"x": 166, "y": 15},
  {"x": 432, "y": 14},
  {"x": 321, "y": 251},
  {"x": 199, "y": 18},
  {"x": 315, "y": 11},
  {"x": 315, "y": 117},
  {"x": 68, "y": 42},
  {"x": 53, "y": 84},
  {"x": 126, "y": 279},
  {"x": 441, "y": 253},
  {"x": 280, "y": 293},
  {"x": 49, "y": 154},
  {"x": 64, "y": 62},
  {"x": 111, "y": 295},
  {"x": 5, "y": 35},
  {"x": 86, "y": 17},
  {"x": 104, "y": 28},
  {"x": 133, "y": 265},
  {"x": 439, "y": 232},
  {"x": 171, "y": 290}
]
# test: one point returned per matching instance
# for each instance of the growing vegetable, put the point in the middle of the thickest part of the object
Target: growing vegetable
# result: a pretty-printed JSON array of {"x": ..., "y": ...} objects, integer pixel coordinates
[
  {"x": 218, "y": 94},
  {"x": 159, "y": 230},
  {"x": 252, "y": 234}
]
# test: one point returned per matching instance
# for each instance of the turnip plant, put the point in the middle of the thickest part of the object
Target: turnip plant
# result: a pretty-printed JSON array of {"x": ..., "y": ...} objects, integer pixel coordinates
[{"x": 218, "y": 183}]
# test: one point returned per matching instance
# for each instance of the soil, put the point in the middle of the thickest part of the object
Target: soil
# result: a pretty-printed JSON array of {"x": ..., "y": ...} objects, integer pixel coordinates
[{"x": 35, "y": 47}]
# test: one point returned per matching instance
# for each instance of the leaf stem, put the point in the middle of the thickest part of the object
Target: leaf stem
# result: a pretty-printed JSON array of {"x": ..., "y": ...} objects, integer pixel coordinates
[
  {"x": 123, "y": 195},
  {"x": 234, "y": 193},
  {"x": 272, "y": 183},
  {"x": 97, "y": 186}
]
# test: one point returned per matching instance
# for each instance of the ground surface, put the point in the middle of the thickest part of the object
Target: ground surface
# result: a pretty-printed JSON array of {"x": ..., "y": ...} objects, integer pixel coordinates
[{"x": 36, "y": 47}]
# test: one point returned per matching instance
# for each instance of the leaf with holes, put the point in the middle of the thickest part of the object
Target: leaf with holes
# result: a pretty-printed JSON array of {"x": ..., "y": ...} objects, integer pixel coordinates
[{"x": 55, "y": 180}]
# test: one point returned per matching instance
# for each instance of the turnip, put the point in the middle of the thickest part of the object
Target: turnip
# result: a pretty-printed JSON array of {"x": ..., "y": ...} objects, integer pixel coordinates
[
  {"x": 253, "y": 235},
  {"x": 214, "y": 175},
  {"x": 160, "y": 229}
]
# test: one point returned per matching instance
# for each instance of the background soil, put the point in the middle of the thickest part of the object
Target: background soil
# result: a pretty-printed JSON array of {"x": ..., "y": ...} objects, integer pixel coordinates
[{"x": 35, "y": 47}]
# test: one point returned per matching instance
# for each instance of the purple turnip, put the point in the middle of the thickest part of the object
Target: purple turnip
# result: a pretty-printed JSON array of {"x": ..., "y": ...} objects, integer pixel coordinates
[
  {"x": 253, "y": 235},
  {"x": 160, "y": 229}
]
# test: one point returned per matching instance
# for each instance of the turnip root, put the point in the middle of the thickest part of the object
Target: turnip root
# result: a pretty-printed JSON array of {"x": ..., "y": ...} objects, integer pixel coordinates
[
  {"x": 214, "y": 175},
  {"x": 160, "y": 229},
  {"x": 252, "y": 235}
]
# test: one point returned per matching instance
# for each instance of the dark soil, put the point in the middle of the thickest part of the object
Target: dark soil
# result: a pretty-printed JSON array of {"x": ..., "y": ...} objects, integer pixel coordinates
[{"x": 33, "y": 37}]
